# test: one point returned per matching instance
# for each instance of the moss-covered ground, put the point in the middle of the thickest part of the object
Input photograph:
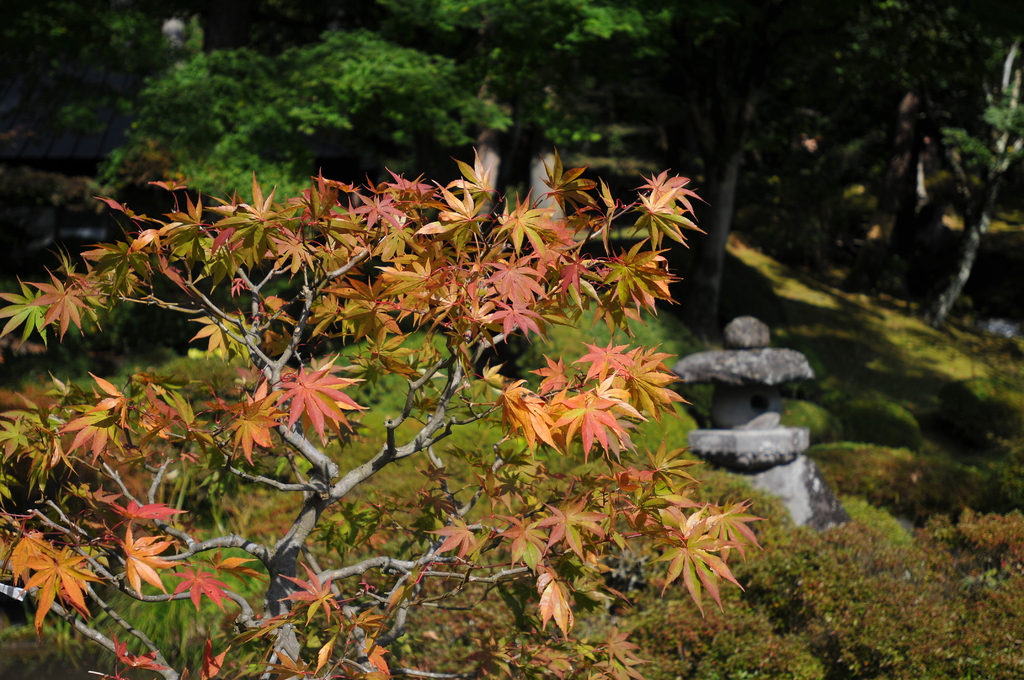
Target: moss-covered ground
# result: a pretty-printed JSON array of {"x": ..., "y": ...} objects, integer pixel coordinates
[{"x": 865, "y": 347}]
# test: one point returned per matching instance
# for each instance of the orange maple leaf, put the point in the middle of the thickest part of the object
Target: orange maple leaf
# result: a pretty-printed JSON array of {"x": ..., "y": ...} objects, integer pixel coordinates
[
  {"x": 554, "y": 602},
  {"x": 523, "y": 411},
  {"x": 142, "y": 562},
  {"x": 58, "y": 574}
]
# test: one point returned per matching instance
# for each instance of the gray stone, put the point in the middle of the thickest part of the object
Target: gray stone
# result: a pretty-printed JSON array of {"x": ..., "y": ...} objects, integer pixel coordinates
[
  {"x": 803, "y": 491},
  {"x": 765, "y": 421},
  {"x": 746, "y": 332},
  {"x": 733, "y": 406},
  {"x": 767, "y": 366},
  {"x": 750, "y": 450}
]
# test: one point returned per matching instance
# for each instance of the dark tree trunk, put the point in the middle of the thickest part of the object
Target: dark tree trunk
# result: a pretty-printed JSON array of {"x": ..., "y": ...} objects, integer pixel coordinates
[
  {"x": 703, "y": 285},
  {"x": 227, "y": 24},
  {"x": 897, "y": 188}
]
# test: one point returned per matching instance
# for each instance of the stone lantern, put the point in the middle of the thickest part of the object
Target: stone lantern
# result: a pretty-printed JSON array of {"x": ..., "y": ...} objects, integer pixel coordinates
[{"x": 746, "y": 410}]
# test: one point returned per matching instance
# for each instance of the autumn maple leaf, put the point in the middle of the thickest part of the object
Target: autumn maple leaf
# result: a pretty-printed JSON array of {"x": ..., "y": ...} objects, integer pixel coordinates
[
  {"x": 528, "y": 544},
  {"x": 318, "y": 397},
  {"x": 141, "y": 561},
  {"x": 458, "y": 534},
  {"x": 554, "y": 376},
  {"x": 144, "y": 661},
  {"x": 200, "y": 582},
  {"x": 527, "y": 413},
  {"x": 65, "y": 303},
  {"x": 594, "y": 414},
  {"x": 554, "y": 602},
  {"x": 316, "y": 593},
  {"x": 160, "y": 511},
  {"x": 689, "y": 553},
  {"x": 567, "y": 522},
  {"x": 253, "y": 420},
  {"x": 605, "y": 360},
  {"x": 58, "y": 574}
]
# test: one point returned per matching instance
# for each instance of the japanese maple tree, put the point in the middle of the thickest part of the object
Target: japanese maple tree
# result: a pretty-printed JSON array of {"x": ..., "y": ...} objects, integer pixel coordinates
[{"x": 314, "y": 298}]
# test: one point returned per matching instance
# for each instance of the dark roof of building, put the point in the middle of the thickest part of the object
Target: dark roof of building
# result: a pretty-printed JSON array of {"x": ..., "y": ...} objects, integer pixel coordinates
[{"x": 33, "y": 142}]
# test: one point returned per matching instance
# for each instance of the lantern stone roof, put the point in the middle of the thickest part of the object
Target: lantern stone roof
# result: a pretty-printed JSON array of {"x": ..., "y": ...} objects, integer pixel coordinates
[{"x": 766, "y": 366}]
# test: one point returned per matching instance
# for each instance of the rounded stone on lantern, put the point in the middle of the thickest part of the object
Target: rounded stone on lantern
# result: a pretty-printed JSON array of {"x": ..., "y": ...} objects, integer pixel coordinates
[
  {"x": 745, "y": 413},
  {"x": 747, "y": 402}
]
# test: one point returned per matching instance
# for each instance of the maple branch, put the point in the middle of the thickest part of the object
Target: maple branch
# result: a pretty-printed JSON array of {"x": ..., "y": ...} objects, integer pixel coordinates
[
  {"x": 99, "y": 638},
  {"x": 219, "y": 317},
  {"x": 254, "y": 289},
  {"x": 430, "y": 674},
  {"x": 324, "y": 280},
  {"x": 409, "y": 671},
  {"x": 252, "y": 332},
  {"x": 160, "y": 524},
  {"x": 64, "y": 518},
  {"x": 503, "y": 575},
  {"x": 425, "y": 437},
  {"x": 297, "y": 331},
  {"x": 310, "y": 293},
  {"x": 280, "y": 486},
  {"x": 246, "y": 617},
  {"x": 382, "y": 563},
  {"x": 343, "y": 269},
  {"x": 257, "y": 550},
  {"x": 308, "y": 450},
  {"x": 119, "y": 620},
  {"x": 170, "y": 306},
  {"x": 415, "y": 386}
]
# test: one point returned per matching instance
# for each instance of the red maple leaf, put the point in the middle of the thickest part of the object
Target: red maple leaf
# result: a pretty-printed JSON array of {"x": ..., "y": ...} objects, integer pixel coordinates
[
  {"x": 159, "y": 511},
  {"x": 200, "y": 582},
  {"x": 319, "y": 398}
]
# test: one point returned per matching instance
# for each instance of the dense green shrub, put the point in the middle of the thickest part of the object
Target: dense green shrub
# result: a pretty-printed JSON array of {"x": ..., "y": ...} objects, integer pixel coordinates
[
  {"x": 877, "y": 421},
  {"x": 901, "y": 481},
  {"x": 983, "y": 410},
  {"x": 858, "y": 601},
  {"x": 824, "y": 426}
]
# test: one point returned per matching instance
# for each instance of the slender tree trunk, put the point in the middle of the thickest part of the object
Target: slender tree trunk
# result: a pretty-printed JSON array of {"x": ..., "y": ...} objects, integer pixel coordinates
[
  {"x": 488, "y": 149},
  {"x": 977, "y": 224},
  {"x": 977, "y": 228},
  {"x": 537, "y": 176},
  {"x": 704, "y": 283}
]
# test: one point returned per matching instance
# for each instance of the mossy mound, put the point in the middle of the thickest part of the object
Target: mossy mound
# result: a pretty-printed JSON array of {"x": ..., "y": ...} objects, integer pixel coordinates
[
  {"x": 903, "y": 482},
  {"x": 877, "y": 519},
  {"x": 824, "y": 426},
  {"x": 876, "y": 421},
  {"x": 983, "y": 411}
]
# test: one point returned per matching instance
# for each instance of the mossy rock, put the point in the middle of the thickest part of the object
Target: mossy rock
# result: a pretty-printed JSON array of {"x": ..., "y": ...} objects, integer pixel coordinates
[
  {"x": 903, "y": 482},
  {"x": 824, "y": 426},
  {"x": 881, "y": 422},
  {"x": 983, "y": 411},
  {"x": 878, "y": 519}
]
